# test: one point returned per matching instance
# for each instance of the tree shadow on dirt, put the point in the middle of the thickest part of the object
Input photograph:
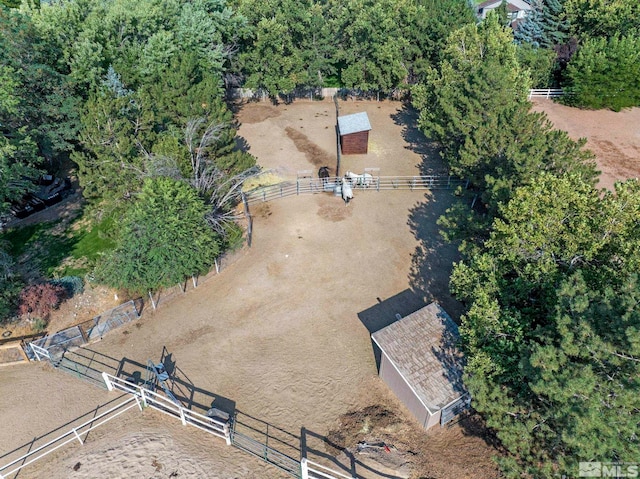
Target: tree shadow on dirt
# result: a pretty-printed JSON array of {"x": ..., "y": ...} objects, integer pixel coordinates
[
  {"x": 431, "y": 163},
  {"x": 242, "y": 144},
  {"x": 433, "y": 259}
]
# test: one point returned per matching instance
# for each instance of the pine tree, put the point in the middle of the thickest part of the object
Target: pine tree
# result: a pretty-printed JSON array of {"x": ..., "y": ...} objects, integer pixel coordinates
[{"x": 544, "y": 26}]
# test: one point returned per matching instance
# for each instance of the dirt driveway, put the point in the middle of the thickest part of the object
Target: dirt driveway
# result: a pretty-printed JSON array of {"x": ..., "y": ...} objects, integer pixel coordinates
[{"x": 282, "y": 334}]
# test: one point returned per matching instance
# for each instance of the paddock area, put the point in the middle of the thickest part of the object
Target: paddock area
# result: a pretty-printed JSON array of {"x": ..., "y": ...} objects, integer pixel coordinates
[
  {"x": 282, "y": 335},
  {"x": 614, "y": 137}
]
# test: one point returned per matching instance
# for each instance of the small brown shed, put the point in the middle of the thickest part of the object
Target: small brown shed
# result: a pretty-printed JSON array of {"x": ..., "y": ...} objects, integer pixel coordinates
[
  {"x": 422, "y": 366},
  {"x": 354, "y": 133}
]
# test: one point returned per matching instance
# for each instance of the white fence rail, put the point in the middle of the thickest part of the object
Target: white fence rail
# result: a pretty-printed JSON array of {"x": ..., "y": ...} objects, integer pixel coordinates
[
  {"x": 546, "y": 93},
  {"x": 143, "y": 397},
  {"x": 313, "y": 470},
  {"x": 165, "y": 405},
  {"x": 74, "y": 434},
  {"x": 219, "y": 428},
  {"x": 303, "y": 186}
]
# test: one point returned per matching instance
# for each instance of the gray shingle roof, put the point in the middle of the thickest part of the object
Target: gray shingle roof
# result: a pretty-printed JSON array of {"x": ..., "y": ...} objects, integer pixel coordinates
[
  {"x": 422, "y": 348},
  {"x": 353, "y": 123}
]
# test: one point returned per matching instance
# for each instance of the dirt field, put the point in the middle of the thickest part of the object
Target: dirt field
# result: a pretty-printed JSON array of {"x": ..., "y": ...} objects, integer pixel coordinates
[
  {"x": 614, "y": 137},
  {"x": 282, "y": 334}
]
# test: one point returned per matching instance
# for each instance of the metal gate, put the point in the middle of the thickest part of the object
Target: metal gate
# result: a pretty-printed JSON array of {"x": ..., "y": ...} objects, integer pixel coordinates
[
  {"x": 286, "y": 463},
  {"x": 452, "y": 410},
  {"x": 40, "y": 353}
]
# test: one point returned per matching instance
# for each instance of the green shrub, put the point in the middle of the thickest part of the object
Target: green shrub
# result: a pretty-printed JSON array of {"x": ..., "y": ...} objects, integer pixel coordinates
[
  {"x": 72, "y": 284},
  {"x": 39, "y": 325}
]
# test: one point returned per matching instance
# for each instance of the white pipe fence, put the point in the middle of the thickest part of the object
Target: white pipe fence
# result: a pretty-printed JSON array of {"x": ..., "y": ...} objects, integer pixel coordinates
[
  {"x": 74, "y": 434},
  {"x": 143, "y": 397},
  {"x": 165, "y": 405},
  {"x": 546, "y": 93},
  {"x": 313, "y": 470},
  {"x": 219, "y": 428},
  {"x": 329, "y": 93}
]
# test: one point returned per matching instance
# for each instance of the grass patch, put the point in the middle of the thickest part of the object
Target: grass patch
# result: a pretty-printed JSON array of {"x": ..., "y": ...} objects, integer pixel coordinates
[
  {"x": 92, "y": 243},
  {"x": 71, "y": 252},
  {"x": 19, "y": 239}
]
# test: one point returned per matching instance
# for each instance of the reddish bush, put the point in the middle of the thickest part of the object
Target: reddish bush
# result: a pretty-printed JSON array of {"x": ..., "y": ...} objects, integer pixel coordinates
[{"x": 40, "y": 299}]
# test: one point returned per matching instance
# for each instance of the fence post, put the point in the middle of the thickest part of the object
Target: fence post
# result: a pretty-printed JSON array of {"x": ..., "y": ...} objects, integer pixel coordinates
[
  {"x": 142, "y": 396},
  {"x": 107, "y": 381},
  {"x": 33, "y": 350},
  {"x": 153, "y": 303},
  {"x": 183, "y": 419},
  {"x": 79, "y": 439},
  {"x": 215, "y": 262},
  {"x": 227, "y": 434},
  {"x": 195, "y": 284},
  {"x": 304, "y": 468}
]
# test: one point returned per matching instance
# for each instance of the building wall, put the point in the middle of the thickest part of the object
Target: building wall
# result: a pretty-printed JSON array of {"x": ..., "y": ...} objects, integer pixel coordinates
[
  {"x": 433, "y": 419},
  {"x": 401, "y": 389},
  {"x": 355, "y": 143}
]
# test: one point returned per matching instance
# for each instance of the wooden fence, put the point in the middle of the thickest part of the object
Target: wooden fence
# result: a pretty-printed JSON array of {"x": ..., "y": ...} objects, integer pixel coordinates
[{"x": 303, "y": 186}]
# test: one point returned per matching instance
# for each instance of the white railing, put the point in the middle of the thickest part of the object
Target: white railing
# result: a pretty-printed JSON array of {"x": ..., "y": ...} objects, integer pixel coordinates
[
  {"x": 313, "y": 470},
  {"x": 40, "y": 353},
  {"x": 165, "y": 405},
  {"x": 74, "y": 434},
  {"x": 546, "y": 92}
]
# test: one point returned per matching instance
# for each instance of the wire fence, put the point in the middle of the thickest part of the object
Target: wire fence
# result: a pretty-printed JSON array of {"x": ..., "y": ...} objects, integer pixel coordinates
[{"x": 52, "y": 347}]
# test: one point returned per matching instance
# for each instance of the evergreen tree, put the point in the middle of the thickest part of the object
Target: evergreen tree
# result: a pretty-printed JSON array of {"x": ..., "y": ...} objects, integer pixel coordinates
[
  {"x": 476, "y": 107},
  {"x": 591, "y": 19},
  {"x": 164, "y": 239},
  {"x": 551, "y": 332},
  {"x": 605, "y": 74},
  {"x": 115, "y": 130}
]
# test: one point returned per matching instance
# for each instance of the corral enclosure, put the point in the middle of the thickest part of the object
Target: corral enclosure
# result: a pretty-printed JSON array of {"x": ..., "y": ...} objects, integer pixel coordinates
[{"x": 280, "y": 332}]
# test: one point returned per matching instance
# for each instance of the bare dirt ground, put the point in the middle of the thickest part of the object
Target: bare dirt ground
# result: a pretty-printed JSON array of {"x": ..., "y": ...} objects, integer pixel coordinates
[
  {"x": 614, "y": 137},
  {"x": 282, "y": 335}
]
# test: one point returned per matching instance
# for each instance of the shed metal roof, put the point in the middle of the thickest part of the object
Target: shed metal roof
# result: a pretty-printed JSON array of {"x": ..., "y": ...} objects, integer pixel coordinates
[
  {"x": 421, "y": 346},
  {"x": 353, "y": 123}
]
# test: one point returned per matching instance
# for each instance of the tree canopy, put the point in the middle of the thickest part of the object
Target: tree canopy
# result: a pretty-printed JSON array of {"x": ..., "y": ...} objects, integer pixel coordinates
[
  {"x": 164, "y": 239},
  {"x": 551, "y": 331},
  {"x": 476, "y": 107},
  {"x": 605, "y": 73}
]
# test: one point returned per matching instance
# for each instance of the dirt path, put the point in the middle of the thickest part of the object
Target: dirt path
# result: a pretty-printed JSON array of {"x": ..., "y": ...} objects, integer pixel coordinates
[{"x": 283, "y": 333}]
